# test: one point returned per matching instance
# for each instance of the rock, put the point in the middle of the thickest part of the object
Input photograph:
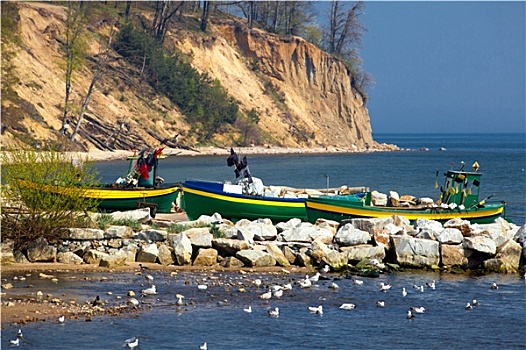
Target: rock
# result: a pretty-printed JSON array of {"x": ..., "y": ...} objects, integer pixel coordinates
[
  {"x": 335, "y": 259},
  {"x": 480, "y": 244},
  {"x": 253, "y": 258},
  {"x": 453, "y": 255},
  {"x": 6, "y": 252},
  {"x": 206, "y": 257},
  {"x": 148, "y": 253},
  {"x": 245, "y": 234},
  {"x": 520, "y": 236},
  {"x": 130, "y": 251},
  {"x": 205, "y": 220},
  {"x": 349, "y": 235},
  {"x": 378, "y": 199},
  {"x": 450, "y": 236},
  {"x": 231, "y": 261},
  {"x": 428, "y": 229},
  {"x": 361, "y": 252},
  {"x": 229, "y": 247},
  {"x": 297, "y": 234},
  {"x": 369, "y": 225},
  {"x": 118, "y": 232},
  {"x": 94, "y": 257},
  {"x": 381, "y": 238},
  {"x": 415, "y": 252},
  {"x": 151, "y": 235},
  {"x": 318, "y": 251},
  {"x": 302, "y": 259},
  {"x": 507, "y": 259},
  {"x": 113, "y": 261},
  {"x": 228, "y": 231},
  {"x": 69, "y": 258},
  {"x": 83, "y": 234},
  {"x": 325, "y": 235},
  {"x": 141, "y": 215},
  {"x": 289, "y": 254},
  {"x": 277, "y": 254},
  {"x": 261, "y": 230},
  {"x": 328, "y": 224},
  {"x": 283, "y": 226},
  {"x": 182, "y": 248},
  {"x": 40, "y": 251},
  {"x": 463, "y": 226},
  {"x": 166, "y": 256},
  {"x": 200, "y": 239},
  {"x": 7, "y": 285}
]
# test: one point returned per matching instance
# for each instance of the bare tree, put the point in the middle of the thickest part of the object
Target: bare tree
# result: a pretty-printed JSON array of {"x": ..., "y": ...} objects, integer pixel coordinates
[
  {"x": 102, "y": 59},
  {"x": 73, "y": 47},
  {"x": 164, "y": 11}
]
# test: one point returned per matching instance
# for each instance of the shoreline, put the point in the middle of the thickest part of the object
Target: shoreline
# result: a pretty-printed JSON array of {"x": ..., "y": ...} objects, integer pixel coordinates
[{"x": 98, "y": 155}]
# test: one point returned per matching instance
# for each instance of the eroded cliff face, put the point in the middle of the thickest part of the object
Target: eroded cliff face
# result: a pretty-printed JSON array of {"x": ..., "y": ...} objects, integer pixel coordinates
[
  {"x": 315, "y": 86},
  {"x": 303, "y": 95}
]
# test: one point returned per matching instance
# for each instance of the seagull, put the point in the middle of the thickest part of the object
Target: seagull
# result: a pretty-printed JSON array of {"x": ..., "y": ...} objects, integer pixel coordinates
[
  {"x": 20, "y": 335},
  {"x": 202, "y": 287},
  {"x": 275, "y": 288},
  {"x": 278, "y": 293},
  {"x": 431, "y": 284},
  {"x": 97, "y": 301},
  {"x": 315, "y": 278},
  {"x": 203, "y": 346},
  {"x": 325, "y": 269},
  {"x": 266, "y": 295},
  {"x": 317, "y": 310},
  {"x": 475, "y": 302},
  {"x": 148, "y": 278},
  {"x": 385, "y": 287},
  {"x": 257, "y": 282},
  {"x": 416, "y": 287},
  {"x": 143, "y": 267},
  {"x": 380, "y": 303},
  {"x": 468, "y": 306},
  {"x": 358, "y": 282},
  {"x": 418, "y": 310},
  {"x": 15, "y": 342},
  {"x": 494, "y": 286},
  {"x": 410, "y": 316},
  {"x": 273, "y": 313},
  {"x": 61, "y": 319},
  {"x": 306, "y": 283},
  {"x": 179, "y": 301},
  {"x": 287, "y": 286},
  {"x": 334, "y": 286},
  {"x": 132, "y": 342},
  {"x": 348, "y": 306},
  {"x": 248, "y": 309},
  {"x": 149, "y": 291},
  {"x": 404, "y": 292}
]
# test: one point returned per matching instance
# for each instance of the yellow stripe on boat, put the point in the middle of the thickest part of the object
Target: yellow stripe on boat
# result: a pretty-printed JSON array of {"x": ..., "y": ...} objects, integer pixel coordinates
[
  {"x": 268, "y": 202},
  {"x": 409, "y": 215}
]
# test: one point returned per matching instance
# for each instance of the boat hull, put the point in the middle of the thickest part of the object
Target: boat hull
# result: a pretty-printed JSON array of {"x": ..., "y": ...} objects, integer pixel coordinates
[
  {"x": 207, "y": 198},
  {"x": 338, "y": 209},
  {"x": 111, "y": 198}
]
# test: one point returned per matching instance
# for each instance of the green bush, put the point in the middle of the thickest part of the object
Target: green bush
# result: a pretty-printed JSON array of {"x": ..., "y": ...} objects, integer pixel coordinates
[{"x": 43, "y": 194}]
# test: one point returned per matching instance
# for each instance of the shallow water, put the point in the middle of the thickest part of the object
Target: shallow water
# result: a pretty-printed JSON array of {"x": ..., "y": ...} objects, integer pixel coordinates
[{"x": 217, "y": 317}]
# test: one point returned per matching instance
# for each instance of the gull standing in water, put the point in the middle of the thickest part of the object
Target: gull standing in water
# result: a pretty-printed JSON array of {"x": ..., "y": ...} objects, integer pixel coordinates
[
  {"x": 475, "y": 302},
  {"x": 248, "y": 309},
  {"x": 315, "y": 278},
  {"x": 180, "y": 298},
  {"x": 334, "y": 286},
  {"x": 149, "y": 291},
  {"x": 358, "y": 282},
  {"x": 266, "y": 295},
  {"x": 203, "y": 346},
  {"x": 306, "y": 283},
  {"x": 494, "y": 286},
  {"x": 132, "y": 342},
  {"x": 20, "y": 335},
  {"x": 15, "y": 342},
  {"x": 273, "y": 313},
  {"x": 278, "y": 293},
  {"x": 325, "y": 269},
  {"x": 348, "y": 306},
  {"x": 385, "y": 287},
  {"x": 317, "y": 310},
  {"x": 468, "y": 306},
  {"x": 61, "y": 319},
  {"x": 431, "y": 284},
  {"x": 404, "y": 292},
  {"x": 410, "y": 316},
  {"x": 380, "y": 303},
  {"x": 418, "y": 310}
]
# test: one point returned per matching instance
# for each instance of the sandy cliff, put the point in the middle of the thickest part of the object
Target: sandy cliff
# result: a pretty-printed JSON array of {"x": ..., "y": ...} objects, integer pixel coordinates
[{"x": 303, "y": 95}]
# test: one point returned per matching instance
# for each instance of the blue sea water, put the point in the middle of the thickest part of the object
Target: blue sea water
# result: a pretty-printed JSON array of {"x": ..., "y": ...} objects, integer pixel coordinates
[
  {"x": 502, "y": 160},
  {"x": 217, "y": 317}
]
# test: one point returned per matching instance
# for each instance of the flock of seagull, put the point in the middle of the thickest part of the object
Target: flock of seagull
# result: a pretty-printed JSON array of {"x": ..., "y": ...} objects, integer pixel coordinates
[{"x": 275, "y": 291}]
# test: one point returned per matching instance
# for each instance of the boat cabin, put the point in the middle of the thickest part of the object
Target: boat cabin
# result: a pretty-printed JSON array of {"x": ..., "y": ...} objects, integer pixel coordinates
[{"x": 461, "y": 188}]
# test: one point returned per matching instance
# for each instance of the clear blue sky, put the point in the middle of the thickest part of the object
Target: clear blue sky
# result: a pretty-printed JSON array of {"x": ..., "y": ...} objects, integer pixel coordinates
[{"x": 446, "y": 66}]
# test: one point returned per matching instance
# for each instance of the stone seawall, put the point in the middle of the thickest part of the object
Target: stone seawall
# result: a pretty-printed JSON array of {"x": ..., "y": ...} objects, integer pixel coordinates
[{"x": 362, "y": 245}]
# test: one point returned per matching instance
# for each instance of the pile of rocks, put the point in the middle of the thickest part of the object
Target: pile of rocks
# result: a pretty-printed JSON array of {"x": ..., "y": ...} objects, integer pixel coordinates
[{"x": 499, "y": 247}]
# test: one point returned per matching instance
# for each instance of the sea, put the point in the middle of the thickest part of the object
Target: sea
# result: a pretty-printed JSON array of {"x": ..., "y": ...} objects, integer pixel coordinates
[{"x": 216, "y": 315}]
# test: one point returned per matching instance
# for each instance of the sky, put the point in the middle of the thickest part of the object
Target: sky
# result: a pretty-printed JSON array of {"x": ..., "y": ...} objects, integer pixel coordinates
[{"x": 445, "y": 67}]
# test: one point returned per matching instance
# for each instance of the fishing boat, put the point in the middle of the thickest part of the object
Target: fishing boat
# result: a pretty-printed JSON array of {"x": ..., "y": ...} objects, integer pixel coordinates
[
  {"x": 141, "y": 187},
  {"x": 459, "y": 198},
  {"x": 246, "y": 197}
]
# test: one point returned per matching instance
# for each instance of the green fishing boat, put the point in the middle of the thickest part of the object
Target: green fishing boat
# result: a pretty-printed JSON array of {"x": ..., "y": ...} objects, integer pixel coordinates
[{"x": 459, "y": 199}]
